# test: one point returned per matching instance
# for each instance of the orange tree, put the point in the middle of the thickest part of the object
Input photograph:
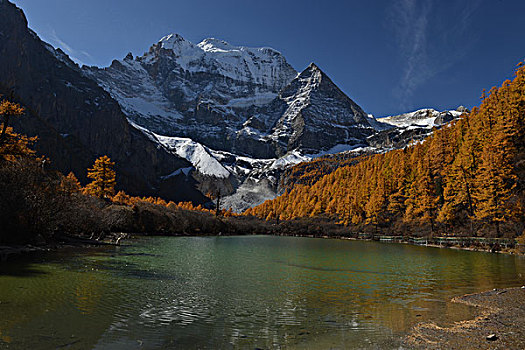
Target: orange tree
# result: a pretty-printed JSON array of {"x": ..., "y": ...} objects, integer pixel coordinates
[
  {"x": 7, "y": 110},
  {"x": 13, "y": 145},
  {"x": 103, "y": 176}
]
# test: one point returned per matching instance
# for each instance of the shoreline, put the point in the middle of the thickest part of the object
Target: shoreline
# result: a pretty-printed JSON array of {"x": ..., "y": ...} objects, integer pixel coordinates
[
  {"x": 7, "y": 252},
  {"x": 500, "y": 324},
  {"x": 114, "y": 239},
  {"x": 508, "y": 251}
]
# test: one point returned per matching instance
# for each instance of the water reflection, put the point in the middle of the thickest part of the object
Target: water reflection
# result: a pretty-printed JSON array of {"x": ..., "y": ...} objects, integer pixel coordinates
[{"x": 238, "y": 292}]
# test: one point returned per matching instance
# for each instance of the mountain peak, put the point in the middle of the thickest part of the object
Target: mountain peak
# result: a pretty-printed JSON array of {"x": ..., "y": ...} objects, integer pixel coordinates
[
  {"x": 312, "y": 73},
  {"x": 174, "y": 42},
  {"x": 171, "y": 38},
  {"x": 313, "y": 66},
  {"x": 261, "y": 66}
]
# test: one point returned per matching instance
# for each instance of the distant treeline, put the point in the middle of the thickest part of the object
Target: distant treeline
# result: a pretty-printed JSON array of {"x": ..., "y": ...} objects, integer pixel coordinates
[{"x": 467, "y": 179}]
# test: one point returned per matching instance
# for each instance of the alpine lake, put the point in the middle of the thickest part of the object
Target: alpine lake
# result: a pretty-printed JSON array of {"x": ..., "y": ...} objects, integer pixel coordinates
[{"x": 241, "y": 292}]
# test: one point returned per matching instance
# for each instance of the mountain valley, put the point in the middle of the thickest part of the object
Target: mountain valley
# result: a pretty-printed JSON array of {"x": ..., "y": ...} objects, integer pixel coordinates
[{"x": 185, "y": 120}]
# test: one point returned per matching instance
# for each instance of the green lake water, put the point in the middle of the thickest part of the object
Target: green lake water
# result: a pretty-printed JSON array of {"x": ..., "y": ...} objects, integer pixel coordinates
[{"x": 241, "y": 292}]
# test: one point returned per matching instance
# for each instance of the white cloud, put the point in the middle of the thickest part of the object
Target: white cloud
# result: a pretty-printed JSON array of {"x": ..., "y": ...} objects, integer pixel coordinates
[
  {"x": 410, "y": 22},
  {"x": 424, "y": 55},
  {"x": 79, "y": 56}
]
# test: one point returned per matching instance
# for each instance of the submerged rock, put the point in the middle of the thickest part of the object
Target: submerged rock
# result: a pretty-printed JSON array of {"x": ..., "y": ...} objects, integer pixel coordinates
[{"x": 492, "y": 337}]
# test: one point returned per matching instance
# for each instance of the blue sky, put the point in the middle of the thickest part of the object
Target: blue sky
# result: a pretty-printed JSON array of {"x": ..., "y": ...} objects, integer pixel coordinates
[{"x": 388, "y": 56}]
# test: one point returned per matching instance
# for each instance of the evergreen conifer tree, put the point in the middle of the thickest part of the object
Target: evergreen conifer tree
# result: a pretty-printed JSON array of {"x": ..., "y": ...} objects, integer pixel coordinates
[{"x": 103, "y": 176}]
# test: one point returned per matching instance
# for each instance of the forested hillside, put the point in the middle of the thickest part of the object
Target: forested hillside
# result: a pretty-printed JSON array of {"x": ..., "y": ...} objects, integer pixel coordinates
[
  {"x": 465, "y": 179},
  {"x": 308, "y": 173},
  {"x": 39, "y": 205}
]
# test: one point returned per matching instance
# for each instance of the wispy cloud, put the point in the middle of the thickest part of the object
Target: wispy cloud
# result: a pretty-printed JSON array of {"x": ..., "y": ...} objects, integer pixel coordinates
[
  {"x": 426, "y": 55},
  {"x": 79, "y": 56},
  {"x": 410, "y": 26}
]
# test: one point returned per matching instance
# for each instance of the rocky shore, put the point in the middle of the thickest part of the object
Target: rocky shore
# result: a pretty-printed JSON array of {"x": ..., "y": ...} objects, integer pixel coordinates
[
  {"x": 500, "y": 324},
  {"x": 8, "y": 252}
]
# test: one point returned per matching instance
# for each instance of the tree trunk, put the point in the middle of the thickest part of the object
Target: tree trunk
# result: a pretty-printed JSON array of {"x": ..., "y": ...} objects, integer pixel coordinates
[{"x": 4, "y": 128}]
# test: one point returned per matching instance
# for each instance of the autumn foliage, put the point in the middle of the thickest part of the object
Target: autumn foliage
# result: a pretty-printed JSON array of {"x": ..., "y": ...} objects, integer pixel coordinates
[
  {"x": 41, "y": 204},
  {"x": 104, "y": 178},
  {"x": 8, "y": 109},
  {"x": 13, "y": 145},
  {"x": 467, "y": 177}
]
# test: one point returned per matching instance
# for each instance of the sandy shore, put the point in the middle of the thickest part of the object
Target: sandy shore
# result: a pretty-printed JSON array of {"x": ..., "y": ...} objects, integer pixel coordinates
[{"x": 500, "y": 324}]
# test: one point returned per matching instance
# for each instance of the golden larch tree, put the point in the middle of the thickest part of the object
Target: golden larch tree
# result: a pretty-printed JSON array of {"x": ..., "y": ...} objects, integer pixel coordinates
[
  {"x": 7, "y": 110},
  {"x": 70, "y": 184},
  {"x": 104, "y": 178}
]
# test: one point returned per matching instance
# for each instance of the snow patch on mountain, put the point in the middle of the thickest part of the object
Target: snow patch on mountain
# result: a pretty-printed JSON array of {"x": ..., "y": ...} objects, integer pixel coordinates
[
  {"x": 145, "y": 107},
  {"x": 196, "y": 154},
  {"x": 422, "y": 118},
  {"x": 294, "y": 157},
  {"x": 185, "y": 171},
  {"x": 186, "y": 52},
  {"x": 134, "y": 89},
  {"x": 377, "y": 124},
  {"x": 261, "y": 66},
  {"x": 339, "y": 148}
]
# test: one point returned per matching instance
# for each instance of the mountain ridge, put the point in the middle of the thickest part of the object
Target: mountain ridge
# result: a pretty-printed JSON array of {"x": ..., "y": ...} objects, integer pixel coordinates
[
  {"x": 227, "y": 97},
  {"x": 250, "y": 127}
]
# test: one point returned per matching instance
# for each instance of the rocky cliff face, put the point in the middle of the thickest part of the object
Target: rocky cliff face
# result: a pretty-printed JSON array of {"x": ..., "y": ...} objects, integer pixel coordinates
[
  {"x": 75, "y": 119},
  {"x": 248, "y": 101},
  {"x": 204, "y": 91},
  {"x": 312, "y": 115}
]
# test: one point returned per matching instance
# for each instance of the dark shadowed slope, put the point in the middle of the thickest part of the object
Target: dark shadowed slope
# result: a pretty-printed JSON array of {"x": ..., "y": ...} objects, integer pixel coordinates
[{"x": 75, "y": 119}]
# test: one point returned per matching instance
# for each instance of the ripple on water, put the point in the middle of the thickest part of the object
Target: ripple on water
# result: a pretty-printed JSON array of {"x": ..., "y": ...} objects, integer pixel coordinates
[{"x": 242, "y": 292}]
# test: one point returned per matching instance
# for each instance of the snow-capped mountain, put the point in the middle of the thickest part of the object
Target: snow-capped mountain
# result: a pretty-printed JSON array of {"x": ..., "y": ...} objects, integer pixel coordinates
[
  {"x": 311, "y": 114},
  {"x": 239, "y": 115},
  {"x": 183, "y": 119},
  {"x": 262, "y": 66},
  {"x": 242, "y": 115},
  {"x": 248, "y": 101},
  {"x": 205, "y": 91},
  {"x": 400, "y": 130},
  {"x": 423, "y": 118}
]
